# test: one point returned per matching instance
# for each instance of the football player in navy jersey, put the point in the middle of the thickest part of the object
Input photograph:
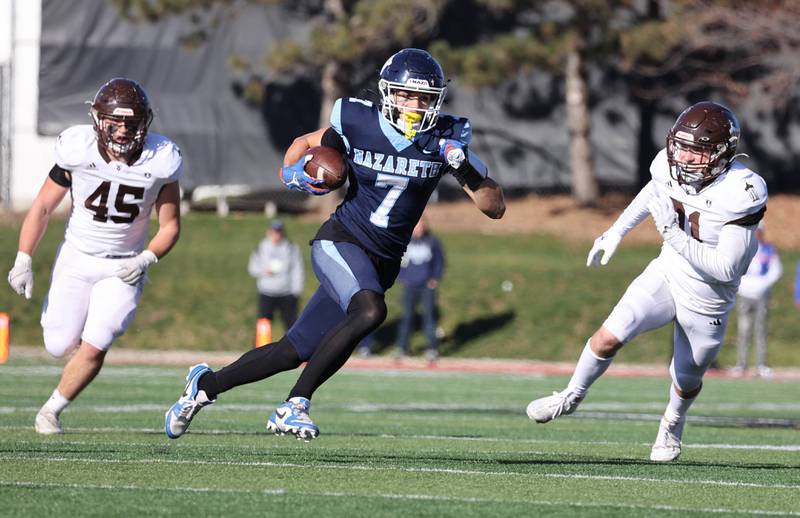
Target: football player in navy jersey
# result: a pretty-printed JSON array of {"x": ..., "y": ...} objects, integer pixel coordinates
[{"x": 396, "y": 154}]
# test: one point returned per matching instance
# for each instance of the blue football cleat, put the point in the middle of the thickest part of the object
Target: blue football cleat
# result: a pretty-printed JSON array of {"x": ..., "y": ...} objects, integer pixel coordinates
[
  {"x": 179, "y": 416},
  {"x": 292, "y": 417}
]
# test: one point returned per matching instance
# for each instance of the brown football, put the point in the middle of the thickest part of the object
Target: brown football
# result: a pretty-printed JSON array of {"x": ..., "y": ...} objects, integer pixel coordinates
[{"x": 326, "y": 164}]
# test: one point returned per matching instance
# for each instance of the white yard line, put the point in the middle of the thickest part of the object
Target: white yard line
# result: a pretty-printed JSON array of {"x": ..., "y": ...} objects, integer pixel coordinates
[
  {"x": 446, "y": 438},
  {"x": 587, "y": 410},
  {"x": 356, "y": 467},
  {"x": 399, "y": 496}
]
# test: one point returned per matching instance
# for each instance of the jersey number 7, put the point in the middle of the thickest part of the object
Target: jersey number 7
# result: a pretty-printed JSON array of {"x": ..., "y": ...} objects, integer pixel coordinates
[
  {"x": 396, "y": 185},
  {"x": 127, "y": 211}
]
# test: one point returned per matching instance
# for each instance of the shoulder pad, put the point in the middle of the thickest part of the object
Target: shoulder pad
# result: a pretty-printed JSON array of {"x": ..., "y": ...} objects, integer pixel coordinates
[
  {"x": 165, "y": 155},
  {"x": 454, "y": 127},
  {"x": 743, "y": 194},
  {"x": 659, "y": 167},
  {"x": 72, "y": 146}
]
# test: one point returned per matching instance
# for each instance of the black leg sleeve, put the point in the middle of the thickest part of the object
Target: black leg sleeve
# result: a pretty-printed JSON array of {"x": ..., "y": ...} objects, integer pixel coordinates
[
  {"x": 367, "y": 311},
  {"x": 254, "y": 365}
]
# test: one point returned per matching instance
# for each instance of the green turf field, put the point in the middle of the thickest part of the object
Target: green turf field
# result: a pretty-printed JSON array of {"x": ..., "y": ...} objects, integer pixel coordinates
[
  {"x": 201, "y": 297},
  {"x": 396, "y": 443}
]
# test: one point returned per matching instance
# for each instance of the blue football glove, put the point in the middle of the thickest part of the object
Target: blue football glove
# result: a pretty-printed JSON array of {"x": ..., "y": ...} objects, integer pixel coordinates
[
  {"x": 294, "y": 177},
  {"x": 453, "y": 151}
]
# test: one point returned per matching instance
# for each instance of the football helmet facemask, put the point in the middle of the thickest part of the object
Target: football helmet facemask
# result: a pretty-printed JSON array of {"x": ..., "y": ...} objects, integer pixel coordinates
[
  {"x": 701, "y": 145},
  {"x": 121, "y": 114},
  {"x": 407, "y": 74}
]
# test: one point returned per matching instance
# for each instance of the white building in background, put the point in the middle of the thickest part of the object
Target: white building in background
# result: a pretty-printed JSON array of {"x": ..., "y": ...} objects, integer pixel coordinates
[{"x": 25, "y": 156}]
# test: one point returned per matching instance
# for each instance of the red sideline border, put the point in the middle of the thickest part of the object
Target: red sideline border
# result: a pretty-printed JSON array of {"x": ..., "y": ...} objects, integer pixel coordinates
[{"x": 121, "y": 356}]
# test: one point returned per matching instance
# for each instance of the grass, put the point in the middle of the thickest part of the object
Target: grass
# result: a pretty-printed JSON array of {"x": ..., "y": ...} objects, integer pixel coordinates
[
  {"x": 201, "y": 296},
  {"x": 396, "y": 443}
]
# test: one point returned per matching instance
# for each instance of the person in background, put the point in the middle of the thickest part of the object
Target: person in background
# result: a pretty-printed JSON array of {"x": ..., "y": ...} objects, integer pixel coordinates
[
  {"x": 421, "y": 270},
  {"x": 753, "y": 303},
  {"x": 278, "y": 267},
  {"x": 797, "y": 287}
]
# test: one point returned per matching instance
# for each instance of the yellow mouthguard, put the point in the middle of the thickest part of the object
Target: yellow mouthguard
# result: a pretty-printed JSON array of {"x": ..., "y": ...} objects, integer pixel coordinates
[{"x": 411, "y": 118}]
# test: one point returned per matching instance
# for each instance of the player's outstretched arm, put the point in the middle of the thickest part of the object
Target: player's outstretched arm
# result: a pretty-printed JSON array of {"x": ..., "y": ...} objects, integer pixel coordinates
[
  {"x": 168, "y": 211},
  {"x": 33, "y": 228},
  {"x": 38, "y": 216},
  {"x": 488, "y": 197},
  {"x": 636, "y": 212}
]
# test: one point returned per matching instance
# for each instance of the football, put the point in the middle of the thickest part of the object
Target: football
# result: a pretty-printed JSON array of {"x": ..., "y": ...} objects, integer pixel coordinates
[{"x": 328, "y": 165}]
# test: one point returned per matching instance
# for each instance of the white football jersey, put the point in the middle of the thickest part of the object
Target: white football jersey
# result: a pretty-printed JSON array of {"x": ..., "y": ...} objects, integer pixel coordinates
[
  {"x": 111, "y": 202},
  {"x": 740, "y": 196}
]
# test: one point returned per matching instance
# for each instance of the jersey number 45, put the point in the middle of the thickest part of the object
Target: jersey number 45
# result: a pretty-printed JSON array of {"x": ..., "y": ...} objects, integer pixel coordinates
[{"x": 97, "y": 202}]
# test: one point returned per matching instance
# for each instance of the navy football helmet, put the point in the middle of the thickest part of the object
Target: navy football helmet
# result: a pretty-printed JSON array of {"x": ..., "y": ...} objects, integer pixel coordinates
[{"x": 412, "y": 70}]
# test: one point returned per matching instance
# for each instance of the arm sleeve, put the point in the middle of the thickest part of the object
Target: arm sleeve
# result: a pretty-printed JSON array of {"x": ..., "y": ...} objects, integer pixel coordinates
[
  {"x": 723, "y": 262},
  {"x": 472, "y": 173},
  {"x": 298, "y": 272},
  {"x": 635, "y": 212},
  {"x": 336, "y": 124},
  {"x": 60, "y": 175},
  {"x": 332, "y": 139}
]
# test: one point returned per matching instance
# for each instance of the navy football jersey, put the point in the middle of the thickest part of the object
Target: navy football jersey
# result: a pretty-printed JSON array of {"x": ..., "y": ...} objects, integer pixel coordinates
[{"x": 391, "y": 177}]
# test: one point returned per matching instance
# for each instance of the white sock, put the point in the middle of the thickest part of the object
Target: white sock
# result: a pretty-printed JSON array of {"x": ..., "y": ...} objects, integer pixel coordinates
[
  {"x": 57, "y": 402},
  {"x": 589, "y": 368},
  {"x": 677, "y": 407}
]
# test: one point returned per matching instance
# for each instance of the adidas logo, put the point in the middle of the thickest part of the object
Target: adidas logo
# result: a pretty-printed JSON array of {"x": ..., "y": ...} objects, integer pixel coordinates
[{"x": 716, "y": 322}]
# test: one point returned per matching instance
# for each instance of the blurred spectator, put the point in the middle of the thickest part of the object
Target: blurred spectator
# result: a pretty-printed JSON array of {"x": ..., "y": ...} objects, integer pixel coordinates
[
  {"x": 421, "y": 270},
  {"x": 278, "y": 268},
  {"x": 797, "y": 286},
  {"x": 753, "y": 303}
]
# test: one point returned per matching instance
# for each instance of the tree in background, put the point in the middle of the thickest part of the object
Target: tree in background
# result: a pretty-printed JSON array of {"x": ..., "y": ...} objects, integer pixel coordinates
[
  {"x": 662, "y": 48},
  {"x": 744, "y": 51}
]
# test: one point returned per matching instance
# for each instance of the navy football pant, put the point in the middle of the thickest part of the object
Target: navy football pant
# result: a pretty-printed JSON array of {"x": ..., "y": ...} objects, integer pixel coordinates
[{"x": 346, "y": 307}]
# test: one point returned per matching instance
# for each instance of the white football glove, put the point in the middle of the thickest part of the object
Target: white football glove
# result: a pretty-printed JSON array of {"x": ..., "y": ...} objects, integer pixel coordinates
[
  {"x": 663, "y": 213},
  {"x": 21, "y": 275},
  {"x": 453, "y": 152},
  {"x": 603, "y": 248},
  {"x": 132, "y": 270}
]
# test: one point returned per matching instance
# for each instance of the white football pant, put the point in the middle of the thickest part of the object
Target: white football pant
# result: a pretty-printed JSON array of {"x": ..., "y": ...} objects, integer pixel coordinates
[
  {"x": 86, "y": 301},
  {"x": 648, "y": 304}
]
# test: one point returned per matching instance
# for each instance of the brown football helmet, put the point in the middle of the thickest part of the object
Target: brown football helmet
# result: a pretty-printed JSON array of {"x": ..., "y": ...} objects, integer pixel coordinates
[
  {"x": 701, "y": 144},
  {"x": 121, "y": 113}
]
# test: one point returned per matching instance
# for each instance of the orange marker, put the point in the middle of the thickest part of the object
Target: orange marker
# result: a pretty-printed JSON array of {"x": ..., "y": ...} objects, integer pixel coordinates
[
  {"x": 5, "y": 333},
  {"x": 263, "y": 332}
]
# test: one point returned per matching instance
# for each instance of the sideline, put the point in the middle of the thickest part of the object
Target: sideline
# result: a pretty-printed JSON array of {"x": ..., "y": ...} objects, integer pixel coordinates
[{"x": 120, "y": 356}]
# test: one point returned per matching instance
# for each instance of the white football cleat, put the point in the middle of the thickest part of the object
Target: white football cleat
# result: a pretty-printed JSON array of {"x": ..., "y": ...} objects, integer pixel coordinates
[
  {"x": 47, "y": 422},
  {"x": 668, "y": 441},
  {"x": 548, "y": 408}
]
